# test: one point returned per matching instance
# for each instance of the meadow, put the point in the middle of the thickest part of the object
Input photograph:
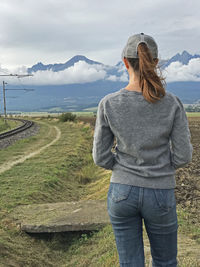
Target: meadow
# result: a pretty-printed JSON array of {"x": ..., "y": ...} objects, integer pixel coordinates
[
  {"x": 65, "y": 172},
  {"x": 6, "y": 125}
]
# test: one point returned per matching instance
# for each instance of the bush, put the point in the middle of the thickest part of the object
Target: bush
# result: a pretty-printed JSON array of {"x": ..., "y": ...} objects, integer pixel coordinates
[{"x": 68, "y": 116}]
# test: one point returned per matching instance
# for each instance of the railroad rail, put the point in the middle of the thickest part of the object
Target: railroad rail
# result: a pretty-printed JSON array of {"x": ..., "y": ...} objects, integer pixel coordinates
[{"x": 26, "y": 124}]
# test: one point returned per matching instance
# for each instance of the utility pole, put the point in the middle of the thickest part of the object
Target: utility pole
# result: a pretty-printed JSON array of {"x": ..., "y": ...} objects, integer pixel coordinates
[
  {"x": 4, "y": 100},
  {"x": 4, "y": 89}
]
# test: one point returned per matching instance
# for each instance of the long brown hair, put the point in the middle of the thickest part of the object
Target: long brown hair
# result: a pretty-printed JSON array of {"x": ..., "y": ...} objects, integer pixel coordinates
[{"x": 152, "y": 84}]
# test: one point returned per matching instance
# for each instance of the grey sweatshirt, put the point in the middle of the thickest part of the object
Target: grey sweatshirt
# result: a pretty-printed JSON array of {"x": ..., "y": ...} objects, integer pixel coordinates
[{"x": 152, "y": 139}]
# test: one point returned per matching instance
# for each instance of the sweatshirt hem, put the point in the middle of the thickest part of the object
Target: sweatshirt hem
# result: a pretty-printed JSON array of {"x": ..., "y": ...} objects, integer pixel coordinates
[{"x": 164, "y": 182}]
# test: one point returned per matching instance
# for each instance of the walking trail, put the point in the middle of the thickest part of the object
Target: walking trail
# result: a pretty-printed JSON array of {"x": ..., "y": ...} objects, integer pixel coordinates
[{"x": 9, "y": 164}]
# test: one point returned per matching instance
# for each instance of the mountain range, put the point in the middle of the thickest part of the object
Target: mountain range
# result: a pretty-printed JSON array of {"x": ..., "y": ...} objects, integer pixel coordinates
[
  {"x": 85, "y": 94},
  {"x": 183, "y": 58},
  {"x": 60, "y": 66}
]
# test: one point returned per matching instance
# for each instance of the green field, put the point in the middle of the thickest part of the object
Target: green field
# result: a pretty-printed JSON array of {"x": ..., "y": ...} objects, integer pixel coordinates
[
  {"x": 193, "y": 114},
  {"x": 8, "y": 125},
  {"x": 87, "y": 112},
  {"x": 63, "y": 172},
  {"x": 48, "y": 114}
]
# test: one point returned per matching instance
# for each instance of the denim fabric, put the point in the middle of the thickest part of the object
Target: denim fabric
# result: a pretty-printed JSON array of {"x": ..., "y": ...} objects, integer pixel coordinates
[{"x": 128, "y": 206}]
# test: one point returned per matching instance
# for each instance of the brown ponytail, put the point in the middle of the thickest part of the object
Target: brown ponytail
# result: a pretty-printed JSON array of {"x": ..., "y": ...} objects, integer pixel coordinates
[{"x": 152, "y": 85}]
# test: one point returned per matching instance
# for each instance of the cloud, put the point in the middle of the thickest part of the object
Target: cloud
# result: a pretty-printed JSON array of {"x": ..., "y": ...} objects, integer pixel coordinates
[
  {"x": 114, "y": 78},
  {"x": 80, "y": 72},
  {"x": 176, "y": 71}
]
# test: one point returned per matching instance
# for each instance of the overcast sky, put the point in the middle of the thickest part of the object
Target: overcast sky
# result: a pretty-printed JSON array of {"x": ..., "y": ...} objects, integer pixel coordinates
[{"x": 55, "y": 30}]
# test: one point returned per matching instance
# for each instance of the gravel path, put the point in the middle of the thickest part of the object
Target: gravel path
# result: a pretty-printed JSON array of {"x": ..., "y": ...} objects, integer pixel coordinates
[{"x": 12, "y": 139}]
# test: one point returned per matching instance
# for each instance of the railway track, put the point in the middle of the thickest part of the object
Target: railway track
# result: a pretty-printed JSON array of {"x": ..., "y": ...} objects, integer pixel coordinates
[{"x": 26, "y": 124}]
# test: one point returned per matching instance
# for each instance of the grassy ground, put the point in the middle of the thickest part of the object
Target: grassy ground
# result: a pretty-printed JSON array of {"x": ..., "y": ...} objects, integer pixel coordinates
[
  {"x": 87, "y": 112},
  {"x": 63, "y": 172},
  {"x": 193, "y": 114},
  {"x": 8, "y": 125},
  {"x": 59, "y": 173}
]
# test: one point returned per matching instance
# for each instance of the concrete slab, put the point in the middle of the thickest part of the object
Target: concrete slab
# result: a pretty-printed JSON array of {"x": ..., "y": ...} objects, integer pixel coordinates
[{"x": 61, "y": 216}]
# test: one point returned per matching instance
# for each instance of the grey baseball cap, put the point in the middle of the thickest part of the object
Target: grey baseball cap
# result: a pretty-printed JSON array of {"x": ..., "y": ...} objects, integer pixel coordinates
[{"x": 130, "y": 50}]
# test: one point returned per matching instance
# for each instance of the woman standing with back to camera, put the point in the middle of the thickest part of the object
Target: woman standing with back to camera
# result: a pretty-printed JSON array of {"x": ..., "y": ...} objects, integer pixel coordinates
[{"x": 152, "y": 141}]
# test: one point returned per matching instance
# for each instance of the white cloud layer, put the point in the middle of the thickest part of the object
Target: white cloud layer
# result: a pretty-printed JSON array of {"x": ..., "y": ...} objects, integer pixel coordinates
[
  {"x": 81, "y": 72},
  {"x": 176, "y": 71},
  {"x": 122, "y": 78}
]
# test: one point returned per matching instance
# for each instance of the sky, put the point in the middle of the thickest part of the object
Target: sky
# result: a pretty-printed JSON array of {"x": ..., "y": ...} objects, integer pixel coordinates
[{"x": 53, "y": 31}]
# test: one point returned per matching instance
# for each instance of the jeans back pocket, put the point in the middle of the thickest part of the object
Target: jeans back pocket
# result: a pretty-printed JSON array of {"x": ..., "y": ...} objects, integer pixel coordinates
[
  {"x": 119, "y": 192},
  {"x": 165, "y": 198}
]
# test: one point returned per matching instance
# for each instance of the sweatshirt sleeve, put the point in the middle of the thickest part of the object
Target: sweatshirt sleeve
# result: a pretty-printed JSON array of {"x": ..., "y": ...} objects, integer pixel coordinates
[
  {"x": 103, "y": 140},
  {"x": 181, "y": 147}
]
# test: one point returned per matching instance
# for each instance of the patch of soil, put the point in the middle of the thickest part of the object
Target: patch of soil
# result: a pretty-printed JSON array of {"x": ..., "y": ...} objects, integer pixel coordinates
[{"x": 188, "y": 178}]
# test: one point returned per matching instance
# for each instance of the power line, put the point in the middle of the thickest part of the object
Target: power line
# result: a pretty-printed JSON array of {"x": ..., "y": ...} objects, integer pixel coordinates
[
  {"x": 17, "y": 75},
  {"x": 25, "y": 89},
  {"x": 4, "y": 89}
]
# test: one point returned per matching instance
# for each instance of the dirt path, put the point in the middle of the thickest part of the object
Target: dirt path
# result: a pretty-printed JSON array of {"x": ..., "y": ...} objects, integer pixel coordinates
[{"x": 8, "y": 165}]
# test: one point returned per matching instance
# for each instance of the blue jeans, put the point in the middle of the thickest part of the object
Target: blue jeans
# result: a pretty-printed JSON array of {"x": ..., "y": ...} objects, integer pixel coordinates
[{"x": 127, "y": 207}]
